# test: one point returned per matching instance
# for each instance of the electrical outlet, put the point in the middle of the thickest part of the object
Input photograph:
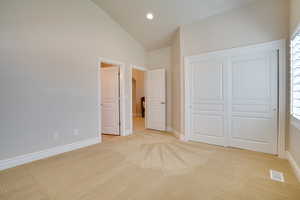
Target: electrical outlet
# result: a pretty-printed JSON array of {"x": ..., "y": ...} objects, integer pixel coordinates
[
  {"x": 75, "y": 132},
  {"x": 56, "y": 135}
]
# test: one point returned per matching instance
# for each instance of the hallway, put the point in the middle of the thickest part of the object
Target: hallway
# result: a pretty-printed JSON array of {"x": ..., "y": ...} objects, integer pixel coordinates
[{"x": 138, "y": 124}]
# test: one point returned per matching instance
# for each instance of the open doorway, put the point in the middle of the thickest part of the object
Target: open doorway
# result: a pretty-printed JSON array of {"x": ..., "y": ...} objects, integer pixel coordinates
[{"x": 138, "y": 99}]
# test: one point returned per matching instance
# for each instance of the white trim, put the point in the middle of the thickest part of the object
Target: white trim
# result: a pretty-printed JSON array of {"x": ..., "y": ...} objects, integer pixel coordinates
[
  {"x": 274, "y": 44},
  {"x": 278, "y": 45},
  {"x": 294, "y": 164},
  {"x": 296, "y": 31},
  {"x": 176, "y": 133},
  {"x": 282, "y": 116},
  {"x": 180, "y": 136},
  {"x": 154, "y": 67},
  {"x": 294, "y": 122},
  {"x": 169, "y": 129},
  {"x": 186, "y": 97},
  {"x": 139, "y": 68},
  {"x": 122, "y": 93},
  {"x": 27, "y": 158},
  {"x": 146, "y": 105},
  {"x": 130, "y": 131}
]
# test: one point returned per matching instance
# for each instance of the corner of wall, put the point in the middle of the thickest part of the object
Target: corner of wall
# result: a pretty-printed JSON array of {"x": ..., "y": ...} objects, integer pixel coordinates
[{"x": 294, "y": 165}]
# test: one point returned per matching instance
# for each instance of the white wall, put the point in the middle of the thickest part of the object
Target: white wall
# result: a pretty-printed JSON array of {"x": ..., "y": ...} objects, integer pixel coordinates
[
  {"x": 258, "y": 22},
  {"x": 48, "y": 74},
  {"x": 294, "y": 15},
  {"x": 294, "y": 133},
  {"x": 176, "y": 60},
  {"x": 158, "y": 59}
]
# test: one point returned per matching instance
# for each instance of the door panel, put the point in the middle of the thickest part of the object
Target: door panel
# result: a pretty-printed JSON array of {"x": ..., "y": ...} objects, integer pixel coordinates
[
  {"x": 251, "y": 78},
  {"x": 208, "y": 125},
  {"x": 208, "y": 78},
  {"x": 156, "y": 100},
  {"x": 207, "y": 83},
  {"x": 110, "y": 100},
  {"x": 253, "y": 112}
]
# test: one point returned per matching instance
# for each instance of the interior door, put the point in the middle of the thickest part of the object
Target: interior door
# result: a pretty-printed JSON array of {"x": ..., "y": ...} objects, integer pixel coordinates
[
  {"x": 156, "y": 99},
  {"x": 110, "y": 93},
  {"x": 253, "y": 108},
  {"x": 207, "y": 96}
]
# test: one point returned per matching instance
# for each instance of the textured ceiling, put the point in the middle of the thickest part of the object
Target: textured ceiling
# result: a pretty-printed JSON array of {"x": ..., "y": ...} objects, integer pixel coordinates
[{"x": 168, "y": 16}]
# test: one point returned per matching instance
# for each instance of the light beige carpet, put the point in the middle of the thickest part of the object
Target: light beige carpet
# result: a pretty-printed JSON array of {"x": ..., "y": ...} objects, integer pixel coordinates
[{"x": 151, "y": 165}]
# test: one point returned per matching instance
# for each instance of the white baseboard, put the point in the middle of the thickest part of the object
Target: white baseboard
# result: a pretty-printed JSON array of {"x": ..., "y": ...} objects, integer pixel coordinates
[
  {"x": 179, "y": 136},
  {"x": 183, "y": 138},
  {"x": 169, "y": 129},
  {"x": 27, "y": 158},
  {"x": 294, "y": 164},
  {"x": 176, "y": 133},
  {"x": 128, "y": 132}
]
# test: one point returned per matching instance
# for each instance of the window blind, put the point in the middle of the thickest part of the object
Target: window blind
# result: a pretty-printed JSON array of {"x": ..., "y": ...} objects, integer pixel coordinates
[{"x": 295, "y": 76}]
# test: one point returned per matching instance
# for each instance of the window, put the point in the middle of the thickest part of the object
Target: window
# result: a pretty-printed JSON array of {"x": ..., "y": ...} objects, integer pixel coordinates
[{"x": 295, "y": 75}]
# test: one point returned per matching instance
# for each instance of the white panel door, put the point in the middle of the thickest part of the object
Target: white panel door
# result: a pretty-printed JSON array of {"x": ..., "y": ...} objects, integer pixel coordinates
[
  {"x": 207, "y": 86},
  {"x": 253, "y": 108},
  {"x": 156, "y": 99},
  {"x": 110, "y": 100}
]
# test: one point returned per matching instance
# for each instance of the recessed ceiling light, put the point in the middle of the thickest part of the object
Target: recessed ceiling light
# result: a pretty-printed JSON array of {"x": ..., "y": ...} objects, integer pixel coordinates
[{"x": 150, "y": 16}]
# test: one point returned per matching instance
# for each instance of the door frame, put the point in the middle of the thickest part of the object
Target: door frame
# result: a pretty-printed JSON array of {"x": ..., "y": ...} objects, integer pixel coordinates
[
  {"x": 122, "y": 94},
  {"x": 141, "y": 68},
  {"x": 280, "y": 46}
]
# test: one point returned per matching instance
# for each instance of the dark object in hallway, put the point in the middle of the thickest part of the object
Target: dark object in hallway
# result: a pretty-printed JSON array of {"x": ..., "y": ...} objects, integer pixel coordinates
[{"x": 143, "y": 106}]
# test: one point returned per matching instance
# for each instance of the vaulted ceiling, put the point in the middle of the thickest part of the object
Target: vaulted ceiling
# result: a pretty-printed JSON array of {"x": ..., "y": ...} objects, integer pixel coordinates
[{"x": 168, "y": 16}]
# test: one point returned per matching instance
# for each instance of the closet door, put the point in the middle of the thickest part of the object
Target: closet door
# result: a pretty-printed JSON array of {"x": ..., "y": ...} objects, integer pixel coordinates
[
  {"x": 206, "y": 80},
  {"x": 253, "y": 101}
]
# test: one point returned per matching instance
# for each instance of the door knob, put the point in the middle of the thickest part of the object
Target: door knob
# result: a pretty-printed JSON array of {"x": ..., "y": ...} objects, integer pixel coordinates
[{"x": 162, "y": 102}]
